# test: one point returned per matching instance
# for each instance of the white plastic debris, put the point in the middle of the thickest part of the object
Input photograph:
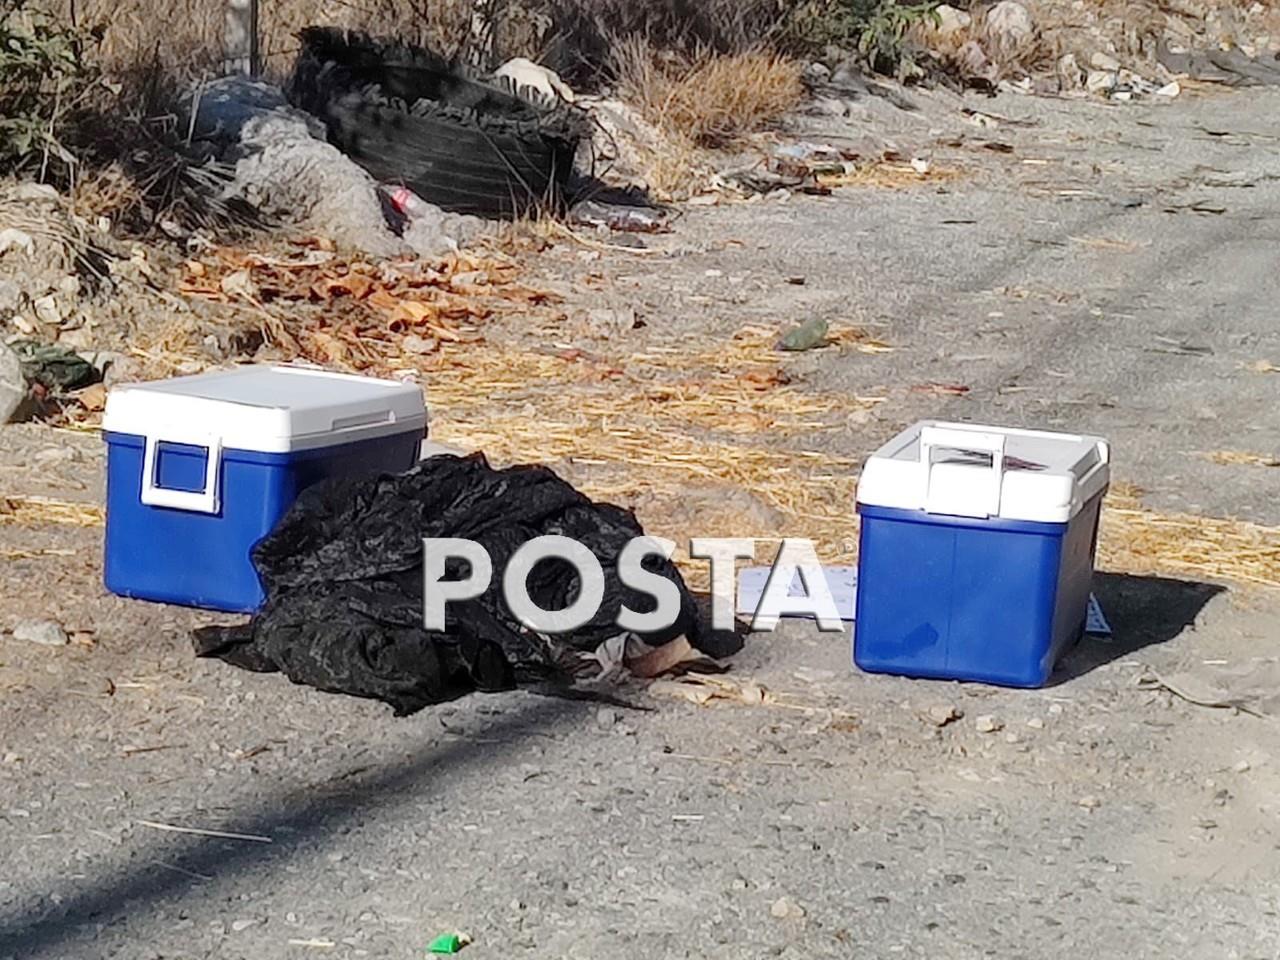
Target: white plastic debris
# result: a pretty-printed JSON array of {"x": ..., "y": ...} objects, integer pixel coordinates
[{"x": 526, "y": 73}]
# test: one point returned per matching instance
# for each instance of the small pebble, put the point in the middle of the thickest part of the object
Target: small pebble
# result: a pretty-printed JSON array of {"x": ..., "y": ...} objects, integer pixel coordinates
[
  {"x": 1241, "y": 767},
  {"x": 786, "y": 907},
  {"x": 239, "y": 925},
  {"x": 1011, "y": 737},
  {"x": 1035, "y": 723},
  {"x": 44, "y": 632},
  {"x": 1055, "y": 709},
  {"x": 987, "y": 724},
  {"x": 1089, "y": 803},
  {"x": 606, "y": 717},
  {"x": 940, "y": 714}
]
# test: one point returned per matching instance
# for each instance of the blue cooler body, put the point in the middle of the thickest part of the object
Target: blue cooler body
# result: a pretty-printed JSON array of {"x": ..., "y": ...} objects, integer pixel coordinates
[
  {"x": 199, "y": 469},
  {"x": 976, "y": 552}
]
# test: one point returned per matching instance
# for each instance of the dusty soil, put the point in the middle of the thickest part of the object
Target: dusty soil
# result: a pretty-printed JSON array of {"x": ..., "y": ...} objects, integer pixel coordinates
[{"x": 1103, "y": 818}]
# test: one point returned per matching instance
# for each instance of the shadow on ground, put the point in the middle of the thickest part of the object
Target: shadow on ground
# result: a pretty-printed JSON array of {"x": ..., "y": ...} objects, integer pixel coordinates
[
  {"x": 1143, "y": 612},
  {"x": 292, "y": 825}
]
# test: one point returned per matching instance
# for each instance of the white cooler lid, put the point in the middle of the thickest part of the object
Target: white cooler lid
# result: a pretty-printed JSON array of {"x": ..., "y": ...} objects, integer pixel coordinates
[
  {"x": 266, "y": 408},
  {"x": 966, "y": 470}
]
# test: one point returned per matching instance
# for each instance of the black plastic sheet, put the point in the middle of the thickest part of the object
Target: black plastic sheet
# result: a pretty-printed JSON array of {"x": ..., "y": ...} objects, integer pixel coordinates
[{"x": 344, "y": 582}]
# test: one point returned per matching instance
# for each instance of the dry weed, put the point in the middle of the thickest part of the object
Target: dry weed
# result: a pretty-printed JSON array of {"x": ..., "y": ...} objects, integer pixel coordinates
[{"x": 711, "y": 99}]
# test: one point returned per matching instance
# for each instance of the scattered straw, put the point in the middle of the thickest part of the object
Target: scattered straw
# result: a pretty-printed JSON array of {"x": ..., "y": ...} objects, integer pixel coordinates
[
  {"x": 1139, "y": 541},
  {"x": 1239, "y": 458},
  {"x": 8, "y": 554},
  {"x": 31, "y": 511},
  {"x": 889, "y": 175},
  {"x": 1262, "y": 366}
]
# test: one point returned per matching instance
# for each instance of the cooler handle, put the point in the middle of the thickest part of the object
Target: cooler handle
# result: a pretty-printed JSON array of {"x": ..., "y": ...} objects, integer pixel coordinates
[
  {"x": 195, "y": 501},
  {"x": 942, "y": 438}
]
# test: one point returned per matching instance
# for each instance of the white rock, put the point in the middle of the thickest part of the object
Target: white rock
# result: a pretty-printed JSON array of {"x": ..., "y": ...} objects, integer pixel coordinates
[
  {"x": 1104, "y": 61},
  {"x": 785, "y": 907},
  {"x": 1170, "y": 89},
  {"x": 1099, "y": 81},
  {"x": 13, "y": 238},
  {"x": 44, "y": 632},
  {"x": 1009, "y": 23},
  {"x": 1035, "y": 723},
  {"x": 1089, "y": 802},
  {"x": 526, "y": 73},
  {"x": 987, "y": 724},
  {"x": 950, "y": 20},
  {"x": 1241, "y": 767},
  {"x": 47, "y": 310}
]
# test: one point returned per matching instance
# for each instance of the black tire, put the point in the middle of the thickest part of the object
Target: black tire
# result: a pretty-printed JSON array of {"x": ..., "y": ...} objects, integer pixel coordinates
[{"x": 408, "y": 117}]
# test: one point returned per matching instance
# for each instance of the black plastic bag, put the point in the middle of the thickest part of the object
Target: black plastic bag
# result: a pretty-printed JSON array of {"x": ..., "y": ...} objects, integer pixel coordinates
[{"x": 344, "y": 583}]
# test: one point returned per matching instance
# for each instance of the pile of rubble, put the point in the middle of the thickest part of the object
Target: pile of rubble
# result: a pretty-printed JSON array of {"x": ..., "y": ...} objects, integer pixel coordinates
[{"x": 1118, "y": 49}]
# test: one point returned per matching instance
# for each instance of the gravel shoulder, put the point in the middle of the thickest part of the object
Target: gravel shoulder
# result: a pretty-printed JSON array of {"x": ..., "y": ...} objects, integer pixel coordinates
[{"x": 1100, "y": 818}]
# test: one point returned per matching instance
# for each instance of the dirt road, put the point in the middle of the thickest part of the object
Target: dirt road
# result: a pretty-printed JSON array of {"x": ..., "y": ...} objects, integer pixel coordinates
[{"x": 1115, "y": 272}]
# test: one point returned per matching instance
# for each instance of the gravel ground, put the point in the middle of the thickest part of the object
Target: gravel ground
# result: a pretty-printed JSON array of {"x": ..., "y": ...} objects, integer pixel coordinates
[{"x": 1100, "y": 818}]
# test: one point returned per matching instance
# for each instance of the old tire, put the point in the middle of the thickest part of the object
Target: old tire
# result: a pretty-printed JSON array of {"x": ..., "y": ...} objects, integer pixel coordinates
[{"x": 408, "y": 117}]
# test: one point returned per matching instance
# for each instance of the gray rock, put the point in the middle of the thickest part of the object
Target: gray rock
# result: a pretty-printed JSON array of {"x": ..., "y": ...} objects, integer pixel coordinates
[
  {"x": 816, "y": 73},
  {"x": 13, "y": 386},
  {"x": 941, "y": 714},
  {"x": 44, "y": 632},
  {"x": 121, "y": 369},
  {"x": 1104, "y": 61},
  {"x": 832, "y": 106},
  {"x": 11, "y": 297},
  {"x": 1009, "y": 23}
]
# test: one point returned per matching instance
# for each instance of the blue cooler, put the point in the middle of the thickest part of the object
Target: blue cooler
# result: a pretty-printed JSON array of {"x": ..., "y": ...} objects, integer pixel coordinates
[
  {"x": 976, "y": 551},
  {"x": 201, "y": 468}
]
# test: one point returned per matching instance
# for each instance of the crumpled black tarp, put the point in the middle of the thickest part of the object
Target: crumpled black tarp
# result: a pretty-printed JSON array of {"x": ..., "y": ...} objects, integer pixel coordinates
[{"x": 343, "y": 576}]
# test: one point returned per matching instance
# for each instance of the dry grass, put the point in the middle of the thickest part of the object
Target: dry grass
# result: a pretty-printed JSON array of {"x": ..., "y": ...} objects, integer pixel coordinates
[
  {"x": 1239, "y": 458},
  {"x": 712, "y": 100},
  {"x": 32, "y": 511},
  {"x": 890, "y": 175},
  {"x": 185, "y": 42}
]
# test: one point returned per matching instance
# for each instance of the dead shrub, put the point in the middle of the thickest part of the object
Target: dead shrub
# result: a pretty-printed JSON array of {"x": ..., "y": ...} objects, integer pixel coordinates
[
  {"x": 711, "y": 99},
  {"x": 582, "y": 36}
]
